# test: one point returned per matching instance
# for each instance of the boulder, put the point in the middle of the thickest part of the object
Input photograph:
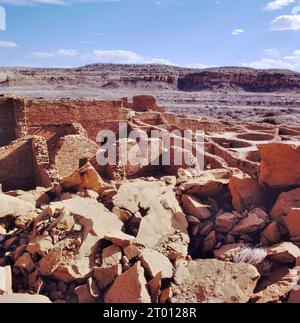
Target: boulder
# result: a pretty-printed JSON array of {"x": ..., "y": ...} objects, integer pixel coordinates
[
  {"x": 5, "y": 280},
  {"x": 285, "y": 253},
  {"x": 154, "y": 263},
  {"x": 105, "y": 276},
  {"x": 92, "y": 215},
  {"x": 84, "y": 295},
  {"x": 130, "y": 287},
  {"x": 225, "y": 222},
  {"x": 246, "y": 193},
  {"x": 285, "y": 202},
  {"x": 211, "y": 183},
  {"x": 276, "y": 287},
  {"x": 209, "y": 242},
  {"x": 214, "y": 281},
  {"x": 292, "y": 222},
  {"x": 25, "y": 262},
  {"x": 156, "y": 202},
  {"x": 278, "y": 168},
  {"x": 252, "y": 223},
  {"x": 86, "y": 178},
  {"x": 272, "y": 233},
  {"x": 120, "y": 238},
  {"x": 15, "y": 207},
  {"x": 193, "y": 206}
]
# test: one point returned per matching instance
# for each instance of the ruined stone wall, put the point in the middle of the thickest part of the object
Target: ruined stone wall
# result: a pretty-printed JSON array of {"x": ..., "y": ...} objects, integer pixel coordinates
[
  {"x": 71, "y": 151},
  {"x": 90, "y": 113},
  {"x": 16, "y": 165},
  {"x": 7, "y": 121}
]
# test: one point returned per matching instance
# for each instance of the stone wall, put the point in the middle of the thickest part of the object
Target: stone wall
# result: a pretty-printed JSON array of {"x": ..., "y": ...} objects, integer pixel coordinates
[
  {"x": 7, "y": 122},
  {"x": 90, "y": 113},
  {"x": 16, "y": 165}
]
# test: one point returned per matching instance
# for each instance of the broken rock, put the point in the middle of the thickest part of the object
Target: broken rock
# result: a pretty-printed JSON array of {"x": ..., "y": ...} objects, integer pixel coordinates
[
  {"x": 218, "y": 282},
  {"x": 130, "y": 287},
  {"x": 154, "y": 262}
]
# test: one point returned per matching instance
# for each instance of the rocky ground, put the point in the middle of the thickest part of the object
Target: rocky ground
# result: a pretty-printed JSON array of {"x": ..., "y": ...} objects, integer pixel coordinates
[{"x": 219, "y": 237}]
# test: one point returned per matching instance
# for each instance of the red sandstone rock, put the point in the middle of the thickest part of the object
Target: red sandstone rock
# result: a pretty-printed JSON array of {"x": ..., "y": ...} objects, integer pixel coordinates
[
  {"x": 105, "y": 276},
  {"x": 246, "y": 193},
  {"x": 154, "y": 262},
  {"x": 25, "y": 262},
  {"x": 253, "y": 222},
  {"x": 216, "y": 281},
  {"x": 193, "y": 206},
  {"x": 272, "y": 233},
  {"x": 130, "y": 287},
  {"x": 285, "y": 202},
  {"x": 285, "y": 252},
  {"x": 292, "y": 222},
  {"x": 225, "y": 222},
  {"x": 278, "y": 167}
]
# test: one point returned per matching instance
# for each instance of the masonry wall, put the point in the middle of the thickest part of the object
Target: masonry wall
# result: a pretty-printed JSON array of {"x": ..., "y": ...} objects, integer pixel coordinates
[
  {"x": 90, "y": 113},
  {"x": 16, "y": 165},
  {"x": 7, "y": 121}
]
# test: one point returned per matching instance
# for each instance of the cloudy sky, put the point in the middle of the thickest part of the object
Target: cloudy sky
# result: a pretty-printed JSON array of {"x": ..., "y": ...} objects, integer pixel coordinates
[{"x": 195, "y": 33}]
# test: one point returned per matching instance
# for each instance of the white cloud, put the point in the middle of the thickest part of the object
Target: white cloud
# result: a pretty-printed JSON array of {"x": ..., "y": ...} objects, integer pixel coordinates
[
  {"x": 122, "y": 57},
  {"x": 291, "y": 62},
  {"x": 237, "y": 32},
  {"x": 60, "y": 52},
  {"x": 286, "y": 22},
  {"x": 8, "y": 44},
  {"x": 272, "y": 52},
  {"x": 277, "y": 4},
  {"x": 67, "y": 52}
]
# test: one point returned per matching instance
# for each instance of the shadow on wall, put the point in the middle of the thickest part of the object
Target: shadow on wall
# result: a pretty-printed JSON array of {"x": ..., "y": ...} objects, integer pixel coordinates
[{"x": 16, "y": 166}]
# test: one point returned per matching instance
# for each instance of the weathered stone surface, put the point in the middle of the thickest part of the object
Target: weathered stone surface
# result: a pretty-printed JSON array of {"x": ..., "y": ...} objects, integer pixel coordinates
[
  {"x": 218, "y": 281},
  {"x": 277, "y": 168},
  {"x": 84, "y": 295},
  {"x": 246, "y": 193},
  {"x": 193, "y": 206},
  {"x": 251, "y": 223},
  {"x": 132, "y": 251},
  {"x": 107, "y": 275},
  {"x": 154, "y": 262},
  {"x": 209, "y": 242},
  {"x": 119, "y": 238},
  {"x": 285, "y": 202},
  {"x": 130, "y": 287},
  {"x": 154, "y": 287},
  {"x": 292, "y": 222},
  {"x": 272, "y": 233},
  {"x": 277, "y": 286},
  {"x": 40, "y": 245},
  {"x": 111, "y": 256},
  {"x": 211, "y": 183},
  {"x": 285, "y": 253},
  {"x": 90, "y": 213},
  {"x": 225, "y": 222},
  {"x": 25, "y": 262},
  {"x": 50, "y": 262},
  {"x": 15, "y": 207},
  {"x": 85, "y": 177},
  {"x": 162, "y": 215},
  {"x": 24, "y": 298},
  {"x": 5, "y": 280}
]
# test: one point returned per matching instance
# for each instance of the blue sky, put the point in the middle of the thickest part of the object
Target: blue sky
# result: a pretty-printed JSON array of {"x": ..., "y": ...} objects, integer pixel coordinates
[{"x": 194, "y": 33}]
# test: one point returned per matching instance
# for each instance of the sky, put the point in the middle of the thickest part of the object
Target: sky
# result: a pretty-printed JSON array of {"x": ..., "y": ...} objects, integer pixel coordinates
[{"x": 191, "y": 33}]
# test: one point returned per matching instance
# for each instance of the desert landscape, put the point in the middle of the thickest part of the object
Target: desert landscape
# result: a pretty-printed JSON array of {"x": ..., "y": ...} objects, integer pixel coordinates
[{"x": 72, "y": 231}]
